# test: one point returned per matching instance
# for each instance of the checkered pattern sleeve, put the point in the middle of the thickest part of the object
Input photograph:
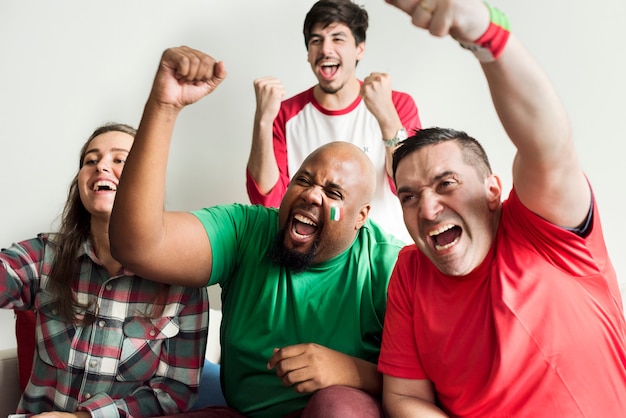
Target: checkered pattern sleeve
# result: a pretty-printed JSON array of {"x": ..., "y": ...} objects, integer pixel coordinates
[{"x": 21, "y": 267}]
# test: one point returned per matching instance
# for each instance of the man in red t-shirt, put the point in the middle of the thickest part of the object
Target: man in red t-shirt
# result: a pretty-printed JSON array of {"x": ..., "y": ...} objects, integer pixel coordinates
[{"x": 510, "y": 308}]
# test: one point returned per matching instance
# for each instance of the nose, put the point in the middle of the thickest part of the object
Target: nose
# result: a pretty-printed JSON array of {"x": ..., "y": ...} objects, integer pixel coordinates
[
  {"x": 327, "y": 46},
  {"x": 313, "y": 195},
  {"x": 103, "y": 166},
  {"x": 430, "y": 206}
]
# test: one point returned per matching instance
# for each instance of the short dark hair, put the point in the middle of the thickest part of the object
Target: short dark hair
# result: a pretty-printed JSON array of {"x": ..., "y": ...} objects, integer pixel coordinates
[
  {"x": 473, "y": 153},
  {"x": 327, "y": 12}
]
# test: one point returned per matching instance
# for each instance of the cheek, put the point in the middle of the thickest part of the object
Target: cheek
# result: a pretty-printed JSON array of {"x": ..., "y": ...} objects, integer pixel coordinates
[
  {"x": 117, "y": 170},
  {"x": 409, "y": 214},
  {"x": 81, "y": 194},
  {"x": 311, "y": 55},
  {"x": 82, "y": 179}
]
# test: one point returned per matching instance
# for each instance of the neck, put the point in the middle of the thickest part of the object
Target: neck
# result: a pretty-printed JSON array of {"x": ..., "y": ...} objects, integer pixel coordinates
[{"x": 101, "y": 245}]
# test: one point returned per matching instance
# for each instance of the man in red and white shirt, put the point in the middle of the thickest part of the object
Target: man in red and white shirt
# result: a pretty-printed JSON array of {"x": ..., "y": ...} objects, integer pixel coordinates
[{"x": 340, "y": 107}]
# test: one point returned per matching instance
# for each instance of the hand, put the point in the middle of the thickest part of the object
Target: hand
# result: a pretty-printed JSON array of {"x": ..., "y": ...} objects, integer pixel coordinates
[
  {"x": 185, "y": 75},
  {"x": 57, "y": 414},
  {"x": 376, "y": 93},
  {"x": 269, "y": 94},
  {"x": 308, "y": 367},
  {"x": 464, "y": 20}
]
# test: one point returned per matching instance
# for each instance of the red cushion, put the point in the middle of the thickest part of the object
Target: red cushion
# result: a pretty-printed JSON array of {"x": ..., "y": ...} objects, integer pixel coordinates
[{"x": 25, "y": 336}]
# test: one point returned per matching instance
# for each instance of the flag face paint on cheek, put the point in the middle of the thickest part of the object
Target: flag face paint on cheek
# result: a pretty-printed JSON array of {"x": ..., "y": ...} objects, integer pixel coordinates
[{"x": 336, "y": 213}]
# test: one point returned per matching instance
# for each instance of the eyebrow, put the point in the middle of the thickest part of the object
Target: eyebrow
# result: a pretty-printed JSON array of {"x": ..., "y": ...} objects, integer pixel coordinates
[
  {"x": 327, "y": 185},
  {"x": 438, "y": 177},
  {"x": 332, "y": 34},
  {"x": 93, "y": 150}
]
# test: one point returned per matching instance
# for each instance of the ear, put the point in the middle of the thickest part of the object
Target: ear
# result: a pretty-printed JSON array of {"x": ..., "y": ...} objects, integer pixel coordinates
[
  {"x": 360, "y": 50},
  {"x": 362, "y": 216},
  {"x": 493, "y": 187}
]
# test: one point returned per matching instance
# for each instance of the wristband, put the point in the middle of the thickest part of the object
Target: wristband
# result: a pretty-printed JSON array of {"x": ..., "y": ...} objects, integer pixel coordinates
[{"x": 490, "y": 45}]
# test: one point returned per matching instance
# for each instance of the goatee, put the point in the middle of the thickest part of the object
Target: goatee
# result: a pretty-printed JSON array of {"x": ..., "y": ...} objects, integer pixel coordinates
[{"x": 295, "y": 261}]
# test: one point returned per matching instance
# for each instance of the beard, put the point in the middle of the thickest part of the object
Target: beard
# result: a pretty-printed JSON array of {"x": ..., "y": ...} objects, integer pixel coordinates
[
  {"x": 295, "y": 261},
  {"x": 329, "y": 89}
]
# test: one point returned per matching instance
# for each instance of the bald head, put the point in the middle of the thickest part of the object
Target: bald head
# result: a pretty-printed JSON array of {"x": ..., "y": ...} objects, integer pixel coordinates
[
  {"x": 359, "y": 171},
  {"x": 326, "y": 204}
]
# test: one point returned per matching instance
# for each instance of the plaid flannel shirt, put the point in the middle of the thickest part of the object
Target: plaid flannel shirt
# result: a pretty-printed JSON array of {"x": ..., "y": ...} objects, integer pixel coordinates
[{"x": 126, "y": 363}]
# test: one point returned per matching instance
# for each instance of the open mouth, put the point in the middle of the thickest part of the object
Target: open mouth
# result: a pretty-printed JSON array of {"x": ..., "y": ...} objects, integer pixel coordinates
[
  {"x": 303, "y": 227},
  {"x": 329, "y": 69},
  {"x": 445, "y": 237},
  {"x": 104, "y": 185}
]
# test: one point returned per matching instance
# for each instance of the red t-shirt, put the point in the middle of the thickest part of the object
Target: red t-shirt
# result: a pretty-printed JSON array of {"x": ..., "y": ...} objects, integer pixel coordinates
[{"x": 537, "y": 330}]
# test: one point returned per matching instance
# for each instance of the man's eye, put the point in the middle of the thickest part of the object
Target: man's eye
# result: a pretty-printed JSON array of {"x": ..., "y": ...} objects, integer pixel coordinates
[
  {"x": 334, "y": 195},
  {"x": 407, "y": 198},
  {"x": 302, "y": 181},
  {"x": 446, "y": 185}
]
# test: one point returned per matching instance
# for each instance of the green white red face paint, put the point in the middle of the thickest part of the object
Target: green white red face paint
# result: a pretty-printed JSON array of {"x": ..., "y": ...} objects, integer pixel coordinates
[{"x": 336, "y": 213}]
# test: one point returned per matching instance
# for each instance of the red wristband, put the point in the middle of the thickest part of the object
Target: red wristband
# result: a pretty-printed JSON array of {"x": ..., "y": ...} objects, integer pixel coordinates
[{"x": 491, "y": 44}]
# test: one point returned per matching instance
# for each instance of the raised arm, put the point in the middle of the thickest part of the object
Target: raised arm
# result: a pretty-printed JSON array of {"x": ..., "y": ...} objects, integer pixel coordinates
[
  {"x": 546, "y": 172},
  {"x": 376, "y": 93},
  {"x": 164, "y": 246},
  {"x": 262, "y": 165}
]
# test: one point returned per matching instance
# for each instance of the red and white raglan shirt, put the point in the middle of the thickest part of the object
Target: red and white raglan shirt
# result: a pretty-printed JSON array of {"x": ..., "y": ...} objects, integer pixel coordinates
[{"x": 303, "y": 125}]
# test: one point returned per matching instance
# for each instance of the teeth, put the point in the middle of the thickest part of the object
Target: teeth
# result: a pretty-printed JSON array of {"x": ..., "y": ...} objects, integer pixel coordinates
[
  {"x": 305, "y": 220},
  {"x": 328, "y": 64},
  {"x": 445, "y": 247},
  {"x": 299, "y": 235},
  {"x": 440, "y": 230},
  {"x": 104, "y": 184}
]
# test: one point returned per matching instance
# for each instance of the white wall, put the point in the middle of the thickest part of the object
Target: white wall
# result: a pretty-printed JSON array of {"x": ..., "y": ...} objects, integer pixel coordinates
[{"x": 69, "y": 65}]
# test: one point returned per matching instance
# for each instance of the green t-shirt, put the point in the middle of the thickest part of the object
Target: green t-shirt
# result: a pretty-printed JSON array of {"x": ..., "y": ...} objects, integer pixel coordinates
[{"x": 339, "y": 304}]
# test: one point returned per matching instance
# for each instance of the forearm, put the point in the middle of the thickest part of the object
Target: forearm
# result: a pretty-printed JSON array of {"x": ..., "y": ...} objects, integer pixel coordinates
[
  {"x": 137, "y": 217},
  {"x": 527, "y": 104},
  {"x": 398, "y": 406},
  {"x": 546, "y": 171},
  {"x": 20, "y": 271},
  {"x": 389, "y": 160},
  {"x": 262, "y": 164},
  {"x": 363, "y": 375}
]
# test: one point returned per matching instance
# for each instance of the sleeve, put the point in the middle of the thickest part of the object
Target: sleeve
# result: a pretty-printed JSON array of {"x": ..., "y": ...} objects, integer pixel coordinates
[
  {"x": 407, "y": 111},
  {"x": 236, "y": 231},
  {"x": 174, "y": 386},
  {"x": 272, "y": 199},
  {"x": 399, "y": 356},
  {"x": 21, "y": 267},
  {"x": 275, "y": 196}
]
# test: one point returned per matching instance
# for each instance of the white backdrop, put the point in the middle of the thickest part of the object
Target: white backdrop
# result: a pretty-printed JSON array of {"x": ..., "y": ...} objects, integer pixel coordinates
[{"x": 70, "y": 65}]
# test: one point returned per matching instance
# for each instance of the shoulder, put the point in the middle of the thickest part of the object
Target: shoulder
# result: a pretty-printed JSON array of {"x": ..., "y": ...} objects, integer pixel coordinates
[
  {"x": 402, "y": 97},
  {"x": 236, "y": 212},
  {"x": 294, "y": 104}
]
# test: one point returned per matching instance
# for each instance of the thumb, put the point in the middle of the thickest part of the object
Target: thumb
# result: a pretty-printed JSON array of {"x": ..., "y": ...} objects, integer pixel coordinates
[{"x": 219, "y": 74}]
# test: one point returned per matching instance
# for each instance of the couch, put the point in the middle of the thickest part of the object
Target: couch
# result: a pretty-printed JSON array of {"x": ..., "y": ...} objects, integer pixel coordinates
[{"x": 9, "y": 380}]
